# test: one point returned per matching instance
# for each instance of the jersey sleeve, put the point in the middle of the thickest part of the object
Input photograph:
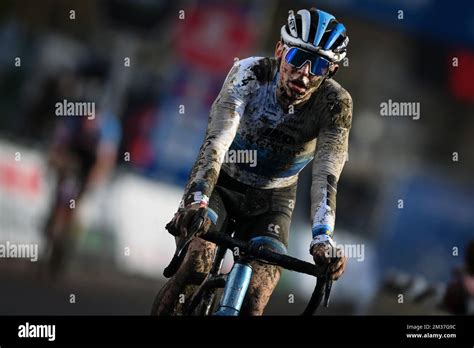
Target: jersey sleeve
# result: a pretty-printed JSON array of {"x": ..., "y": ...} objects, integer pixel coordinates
[
  {"x": 329, "y": 160},
  {"x": 223, "y": 122}
]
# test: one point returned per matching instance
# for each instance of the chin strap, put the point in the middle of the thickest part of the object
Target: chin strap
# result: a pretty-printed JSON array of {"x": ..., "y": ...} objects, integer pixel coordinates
[{"x": 332, "y": 73}]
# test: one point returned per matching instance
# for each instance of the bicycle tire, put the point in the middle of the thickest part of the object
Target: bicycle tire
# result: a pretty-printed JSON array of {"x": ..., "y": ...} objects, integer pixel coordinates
[
  {"x": 207, "y": 304},
  {"x": 205, "y": 299}
]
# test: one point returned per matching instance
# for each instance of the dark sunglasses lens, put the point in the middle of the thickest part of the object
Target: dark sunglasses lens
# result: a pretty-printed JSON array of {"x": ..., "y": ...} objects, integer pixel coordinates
[
  {"x": 319, "y": 66},
  {"x": 297, "y": 58}
]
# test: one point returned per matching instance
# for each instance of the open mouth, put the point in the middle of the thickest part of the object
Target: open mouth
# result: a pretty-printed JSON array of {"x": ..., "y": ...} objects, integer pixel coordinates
[{"x": 298, "y": 86}]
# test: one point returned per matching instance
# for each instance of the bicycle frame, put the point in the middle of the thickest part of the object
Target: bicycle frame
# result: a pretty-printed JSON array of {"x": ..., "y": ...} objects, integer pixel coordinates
[{"x": 235, "y": 289}]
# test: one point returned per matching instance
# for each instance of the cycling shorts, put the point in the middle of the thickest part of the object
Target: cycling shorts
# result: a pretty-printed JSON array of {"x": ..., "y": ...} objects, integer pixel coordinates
[{"x": 257, "y": 212}]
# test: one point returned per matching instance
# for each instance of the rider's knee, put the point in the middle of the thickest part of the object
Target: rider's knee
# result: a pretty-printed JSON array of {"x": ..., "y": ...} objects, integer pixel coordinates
[{"x": 198, "y": 260}]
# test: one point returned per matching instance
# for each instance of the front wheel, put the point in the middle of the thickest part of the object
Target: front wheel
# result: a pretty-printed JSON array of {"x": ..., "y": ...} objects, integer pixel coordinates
[{"x": 204, "y": 303}]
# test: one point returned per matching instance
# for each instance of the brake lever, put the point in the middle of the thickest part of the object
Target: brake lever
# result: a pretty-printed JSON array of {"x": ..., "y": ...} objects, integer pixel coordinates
[
  {"x": 328, "y": 287},
  {"x": 183, "y": 242},
  {"x": 327, "y": 291},
  {"x": 324, "y": 286},
  {"x": 321, "y": 293},
  {"x": 198, "y": 221}
]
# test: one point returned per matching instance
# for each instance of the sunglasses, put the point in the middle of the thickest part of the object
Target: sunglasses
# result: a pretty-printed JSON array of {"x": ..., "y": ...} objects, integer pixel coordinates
[{"x": 298, "y": 57}]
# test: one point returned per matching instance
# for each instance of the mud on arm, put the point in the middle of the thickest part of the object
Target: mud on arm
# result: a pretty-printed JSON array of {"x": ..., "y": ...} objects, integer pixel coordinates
[
  {"x": 330, "y": 156},
  {"x": 224, "y": 119}
]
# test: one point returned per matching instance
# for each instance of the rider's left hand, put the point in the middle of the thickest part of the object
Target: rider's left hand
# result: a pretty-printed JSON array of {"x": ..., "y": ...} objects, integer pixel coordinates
[{"x": 327, "y": 254}]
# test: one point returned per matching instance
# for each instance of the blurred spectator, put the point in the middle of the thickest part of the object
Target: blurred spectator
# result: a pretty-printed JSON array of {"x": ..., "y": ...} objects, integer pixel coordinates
[{"x": 459, "y": 297}]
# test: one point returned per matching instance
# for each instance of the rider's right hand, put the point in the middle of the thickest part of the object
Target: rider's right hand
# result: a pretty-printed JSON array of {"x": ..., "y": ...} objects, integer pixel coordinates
[{"x": 189, "y": 219}]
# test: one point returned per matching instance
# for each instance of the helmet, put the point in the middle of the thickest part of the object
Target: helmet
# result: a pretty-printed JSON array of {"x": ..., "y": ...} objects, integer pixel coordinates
[{"x": 316, "y": 31}]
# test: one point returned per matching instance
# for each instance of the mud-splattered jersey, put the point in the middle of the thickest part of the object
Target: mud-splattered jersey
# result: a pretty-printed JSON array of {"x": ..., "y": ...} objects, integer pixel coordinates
[{"x": 255, "y": 141}]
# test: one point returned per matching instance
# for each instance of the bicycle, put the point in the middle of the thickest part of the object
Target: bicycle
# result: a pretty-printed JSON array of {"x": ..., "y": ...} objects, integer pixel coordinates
[{"x": 236, "y": 282}]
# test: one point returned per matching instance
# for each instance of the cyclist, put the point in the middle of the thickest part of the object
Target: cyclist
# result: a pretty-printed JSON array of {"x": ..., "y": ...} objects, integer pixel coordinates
[
  {"x": 288, "y": 110},
  {"x": 83, "y": 152}
]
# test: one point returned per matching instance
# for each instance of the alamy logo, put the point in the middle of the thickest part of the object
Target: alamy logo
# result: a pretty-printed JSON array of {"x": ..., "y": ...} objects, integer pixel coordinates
[
  {"x": 37, "y": 331},
  {"x": 356, "y": 251},
  {"x": 393, "y": 108},
  {"x": 12, "y": 250},
  {"x": 241, "y": 156},
  {"x": 67, "y": 108}
]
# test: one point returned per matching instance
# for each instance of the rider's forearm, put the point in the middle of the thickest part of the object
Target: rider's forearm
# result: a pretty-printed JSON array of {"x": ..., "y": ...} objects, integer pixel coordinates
[
  {"x": 328, "y": 163},
  {"x": 223, "y": 123},
  {"x": 224, "y": 118},
  {"x": 327, "y": 168}
]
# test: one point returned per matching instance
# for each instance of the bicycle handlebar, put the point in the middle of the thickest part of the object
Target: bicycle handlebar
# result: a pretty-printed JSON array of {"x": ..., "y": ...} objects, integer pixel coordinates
[
  {"x": 285, "y": 261},
  {"x": 323, "y": 284}
]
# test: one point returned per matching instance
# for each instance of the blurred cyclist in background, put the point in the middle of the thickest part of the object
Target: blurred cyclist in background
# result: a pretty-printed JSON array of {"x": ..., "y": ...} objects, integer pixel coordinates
[
  {"x": 459, "y": 297},
  {"x": 274, "y": 108},
  {"x": 82, "y": 154}
]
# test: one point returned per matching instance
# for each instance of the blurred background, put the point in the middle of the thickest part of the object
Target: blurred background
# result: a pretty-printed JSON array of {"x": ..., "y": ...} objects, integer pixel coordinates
[{"x": 152, "y": 68}]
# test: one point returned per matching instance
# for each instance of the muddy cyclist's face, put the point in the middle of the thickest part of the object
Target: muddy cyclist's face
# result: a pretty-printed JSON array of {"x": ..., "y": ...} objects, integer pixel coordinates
[{"x": 296, "y": 84}]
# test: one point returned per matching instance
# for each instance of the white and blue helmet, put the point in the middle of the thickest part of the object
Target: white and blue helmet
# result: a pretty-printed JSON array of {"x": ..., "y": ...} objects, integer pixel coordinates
[{"x": 316, "y": 31}]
